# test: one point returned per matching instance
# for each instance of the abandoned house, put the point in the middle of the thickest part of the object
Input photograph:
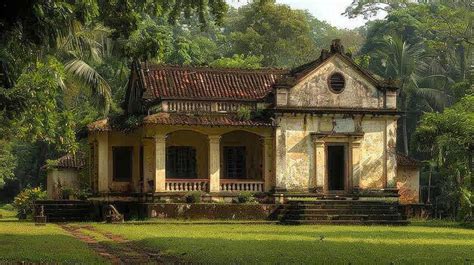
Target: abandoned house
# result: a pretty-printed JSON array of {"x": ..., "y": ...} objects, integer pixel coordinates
[{"x": 326, "y": 128}]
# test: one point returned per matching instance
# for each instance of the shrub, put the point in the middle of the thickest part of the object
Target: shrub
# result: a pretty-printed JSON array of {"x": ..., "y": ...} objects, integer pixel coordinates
[
  {"x": 245, "y": 197},
  {"x": 193, "y": 197},
  {"x": 81, "y": 194},
  {"x": 66, "y": 193},
  {"x": 23, "y": 202},
  {"x": 244, "y": 113}
]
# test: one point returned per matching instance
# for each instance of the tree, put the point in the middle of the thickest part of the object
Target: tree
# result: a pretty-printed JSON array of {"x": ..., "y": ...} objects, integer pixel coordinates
[
  {"x": 405, "y": 63},
  {"x": 449, "y": 137},
  {"x": 238, "y": 61},
  {"x": 278, "y": 33}
]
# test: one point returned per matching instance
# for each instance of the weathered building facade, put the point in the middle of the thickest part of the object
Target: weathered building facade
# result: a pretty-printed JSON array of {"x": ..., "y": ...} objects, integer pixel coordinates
[{"x": 327, "y": 127}]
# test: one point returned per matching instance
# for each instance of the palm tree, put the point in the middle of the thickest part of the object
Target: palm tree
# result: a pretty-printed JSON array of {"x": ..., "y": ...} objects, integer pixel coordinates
[
  {"x": 80, "y": 49},
  {"x": 407, "y": 64}
]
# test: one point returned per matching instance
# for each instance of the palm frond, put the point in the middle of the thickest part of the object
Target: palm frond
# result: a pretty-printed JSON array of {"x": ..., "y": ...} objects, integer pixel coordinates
[{"x": 82, "y": 71}]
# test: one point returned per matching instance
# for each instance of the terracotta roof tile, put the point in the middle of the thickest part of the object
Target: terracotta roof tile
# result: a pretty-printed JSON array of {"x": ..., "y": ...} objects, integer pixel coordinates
[
  {"x": 204, "y": 120},
  {"x": 403, "y": 160},
  {"x": 179, "y": 82},
  {"x": 99, "y": 125},
  {"x": 76, "y": 161}
]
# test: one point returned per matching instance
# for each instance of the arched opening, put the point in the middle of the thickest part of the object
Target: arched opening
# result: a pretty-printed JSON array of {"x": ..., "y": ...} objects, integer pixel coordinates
[
  {"x": 187, "y": 155},
  {"x": 241, "y": 156}
]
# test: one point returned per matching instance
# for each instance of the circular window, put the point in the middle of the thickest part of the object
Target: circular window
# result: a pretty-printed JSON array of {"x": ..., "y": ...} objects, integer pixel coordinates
[{"x": 337, "y": 82}]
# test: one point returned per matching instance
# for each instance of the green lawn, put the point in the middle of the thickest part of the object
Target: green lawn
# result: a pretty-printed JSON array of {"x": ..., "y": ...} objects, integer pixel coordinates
[
  {"x": 277, "y": 244},
  {"x": 23, "y": 241},
  {"x": 7, "y": 212}
]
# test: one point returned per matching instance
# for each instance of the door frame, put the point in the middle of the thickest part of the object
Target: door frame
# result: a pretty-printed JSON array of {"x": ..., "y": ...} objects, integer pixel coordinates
[{"x": 347, "y": 161}]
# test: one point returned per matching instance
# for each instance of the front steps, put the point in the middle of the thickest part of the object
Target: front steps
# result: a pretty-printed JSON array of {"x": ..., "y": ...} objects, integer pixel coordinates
[
  {"x": 66, "y": 210},
  {"x": 342, "y": 212}
]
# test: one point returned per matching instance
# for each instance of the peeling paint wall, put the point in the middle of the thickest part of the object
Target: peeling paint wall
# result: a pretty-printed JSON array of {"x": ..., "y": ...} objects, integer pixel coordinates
[
  {"x": 314, "y": 90},
  {"x": 296, "y": 162},
  {"x": 64, "y": 178},
  {"x": 408, "y": 184}
]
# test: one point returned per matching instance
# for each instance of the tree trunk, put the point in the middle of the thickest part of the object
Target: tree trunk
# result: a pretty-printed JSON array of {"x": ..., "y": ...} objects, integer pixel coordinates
[{"x": 404, "y": 128}]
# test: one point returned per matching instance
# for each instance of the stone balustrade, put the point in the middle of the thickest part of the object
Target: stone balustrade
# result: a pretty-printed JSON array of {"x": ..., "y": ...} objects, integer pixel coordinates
[
  {"x": 183, "y": 185},
  {"x": 237, "y": 185}
]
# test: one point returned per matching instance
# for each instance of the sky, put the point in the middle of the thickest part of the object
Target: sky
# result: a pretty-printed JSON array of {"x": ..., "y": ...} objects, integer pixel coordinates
[{"x": 327, "y": 10}]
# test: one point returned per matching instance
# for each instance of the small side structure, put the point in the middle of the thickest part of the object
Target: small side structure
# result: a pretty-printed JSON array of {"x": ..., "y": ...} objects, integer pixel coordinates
[
  {"x": 64, "y": 175},
  {"x": 408, "y": 179}
]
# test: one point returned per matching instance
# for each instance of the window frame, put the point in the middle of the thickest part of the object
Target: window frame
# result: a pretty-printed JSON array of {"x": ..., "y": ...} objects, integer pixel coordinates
[
  {"x": 182, "y": 164},
  {"x": 115, "y": 178},
  {"x": 235, "y": 167},
  {"x": 330, "y": 85}
]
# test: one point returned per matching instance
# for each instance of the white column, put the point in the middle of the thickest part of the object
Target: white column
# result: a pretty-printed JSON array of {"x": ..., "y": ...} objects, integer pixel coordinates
[
  {"x": 214, "y": 163},
  {"x": 103, "y": 161},
  {"x": 160, "y": 163},
  {"x": 268, "y": 163}
]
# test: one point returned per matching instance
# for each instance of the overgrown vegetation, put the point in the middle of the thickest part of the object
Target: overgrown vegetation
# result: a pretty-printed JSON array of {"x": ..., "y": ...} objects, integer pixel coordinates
[{"x": 24, "y": 201}]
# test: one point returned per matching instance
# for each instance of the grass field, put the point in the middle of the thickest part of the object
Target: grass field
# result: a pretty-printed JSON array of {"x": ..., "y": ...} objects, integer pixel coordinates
[
  {"x": 276, "y": 244},
  {"x": 23, "y": 241},
  {"x": 419, "y": 243}
]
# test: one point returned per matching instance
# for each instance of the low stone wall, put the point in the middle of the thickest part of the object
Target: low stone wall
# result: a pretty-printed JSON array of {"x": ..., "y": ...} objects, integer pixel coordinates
[
  {"x": 417, "y": 210},
  {"x": 212, "y": 211}
]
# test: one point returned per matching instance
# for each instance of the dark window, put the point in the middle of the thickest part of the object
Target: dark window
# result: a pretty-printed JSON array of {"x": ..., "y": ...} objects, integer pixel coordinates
[
  {"x": 181, "y": 162},
  {"x": 337, "y": 82},
  {"x": 234, "y": 162},
  {"x": 122, "y": 162}
]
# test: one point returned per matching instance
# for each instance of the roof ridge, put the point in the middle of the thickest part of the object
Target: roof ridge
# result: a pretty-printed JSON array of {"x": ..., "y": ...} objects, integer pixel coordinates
[{"x": 211, "y": 68}]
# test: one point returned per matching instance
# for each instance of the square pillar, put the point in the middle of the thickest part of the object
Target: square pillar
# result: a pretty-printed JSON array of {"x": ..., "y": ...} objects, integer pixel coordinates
[
  {"x": 103, "y": 162},
  {"x": 356, "y": 163},
  {"x": 160, "y": 163},
  {"x": 320, "y": 165},
  {"x": 267, "y": 169},
  {"x": 148, "y": 164},
  {"x": 214, "y": 163}
]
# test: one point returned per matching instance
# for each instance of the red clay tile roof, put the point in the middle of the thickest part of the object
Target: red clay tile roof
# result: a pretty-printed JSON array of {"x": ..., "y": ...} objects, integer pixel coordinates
[
  {"x": 403, "y": 160},
  {"x": 99, "y": 126},
  {"x": 203, "y": 83},
  {"x": 204, "y": 120},
  {"x": 76, "y": 161}
]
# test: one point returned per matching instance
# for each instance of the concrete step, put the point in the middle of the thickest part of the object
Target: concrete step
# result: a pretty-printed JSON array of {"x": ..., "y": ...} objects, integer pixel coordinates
[
  {"x": 345, "y": 211},
  {"x": 342, "y": 217},
  {"x": 347, "y": 222}
]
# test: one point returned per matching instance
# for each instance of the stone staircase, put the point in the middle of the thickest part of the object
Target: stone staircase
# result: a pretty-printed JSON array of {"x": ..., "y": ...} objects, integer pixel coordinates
[
  {"x": 342, "y": 212},
  {"x": 66, "y": 210}
]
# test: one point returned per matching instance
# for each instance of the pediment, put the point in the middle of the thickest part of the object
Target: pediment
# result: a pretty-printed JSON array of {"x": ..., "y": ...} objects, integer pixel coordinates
[{"x": 312, "y": 89}]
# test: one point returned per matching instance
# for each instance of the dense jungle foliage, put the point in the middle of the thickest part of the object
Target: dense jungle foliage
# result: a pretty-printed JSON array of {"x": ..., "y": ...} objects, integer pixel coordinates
[{"x": 66, "y": 64}]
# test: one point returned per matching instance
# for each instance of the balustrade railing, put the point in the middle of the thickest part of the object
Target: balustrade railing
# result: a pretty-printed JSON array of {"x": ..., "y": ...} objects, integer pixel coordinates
[
  {"x": 186, "y": 106},
  {"x": 236, "y": 185},
  {"x": 183, "y": 185}
]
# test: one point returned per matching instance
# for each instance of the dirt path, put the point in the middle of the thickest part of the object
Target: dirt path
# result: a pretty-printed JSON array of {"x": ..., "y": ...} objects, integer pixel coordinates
[{"x": 119, "y": 250}]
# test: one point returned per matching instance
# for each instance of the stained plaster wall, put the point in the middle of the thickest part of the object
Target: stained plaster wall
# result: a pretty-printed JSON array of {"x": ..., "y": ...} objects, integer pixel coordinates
[
  {"x": 295, "y": 151},
  {"x": 408, "y": 184},
  {"x": 296, "y": 160},
  {"x": 313, "y": 90},
  {"x": 66, "y": 178}
]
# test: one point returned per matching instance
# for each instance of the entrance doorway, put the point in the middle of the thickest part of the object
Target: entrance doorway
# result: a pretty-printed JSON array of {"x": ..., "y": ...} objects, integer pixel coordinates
[{"x": 336, "y": 167}]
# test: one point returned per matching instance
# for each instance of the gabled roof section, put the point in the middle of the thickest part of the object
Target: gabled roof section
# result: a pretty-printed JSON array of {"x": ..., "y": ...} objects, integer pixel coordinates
[
  {"x": 337, "y": 49},
  {"x": 162, "y": 82}
]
